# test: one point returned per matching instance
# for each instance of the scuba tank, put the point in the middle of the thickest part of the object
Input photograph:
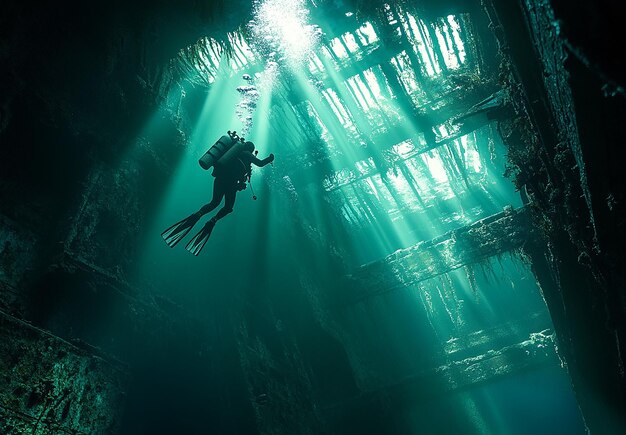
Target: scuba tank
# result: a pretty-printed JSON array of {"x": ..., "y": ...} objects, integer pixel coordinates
[
  {"x": 230, "y": 155},
  {"x": 221, "y": 149}
]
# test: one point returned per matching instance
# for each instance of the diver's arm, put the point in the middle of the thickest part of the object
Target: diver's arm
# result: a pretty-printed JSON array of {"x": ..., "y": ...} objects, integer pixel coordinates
[{"x": 258, "y": 162}]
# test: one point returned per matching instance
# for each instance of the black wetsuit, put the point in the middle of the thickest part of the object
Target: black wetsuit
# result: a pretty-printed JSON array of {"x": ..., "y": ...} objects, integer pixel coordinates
[{"x": 228, "y": 181}]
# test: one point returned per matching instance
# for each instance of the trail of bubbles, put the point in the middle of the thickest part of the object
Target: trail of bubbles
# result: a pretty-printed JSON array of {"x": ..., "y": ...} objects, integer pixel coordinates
[
  {"x": 247, "y": 105},
  {"x": 250, "y": 94},
  {"x": 281, "y": 34}
]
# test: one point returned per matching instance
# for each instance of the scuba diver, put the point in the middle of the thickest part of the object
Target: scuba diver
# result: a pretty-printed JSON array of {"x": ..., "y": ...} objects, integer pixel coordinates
[{"x": 232, "y": 158}]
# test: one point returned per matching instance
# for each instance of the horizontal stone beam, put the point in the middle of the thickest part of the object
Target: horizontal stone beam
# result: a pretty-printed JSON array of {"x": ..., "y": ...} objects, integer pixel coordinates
[
  {"x": 453, "y": 105},
  {"x": 498, "y": 336},
  {"x": 535, "y": 351},
  {"x": 494, "y": 235}
]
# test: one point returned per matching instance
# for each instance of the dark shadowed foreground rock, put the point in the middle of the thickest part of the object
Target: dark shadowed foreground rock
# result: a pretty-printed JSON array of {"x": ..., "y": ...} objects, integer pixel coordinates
[{"x": 49, "y": 386}]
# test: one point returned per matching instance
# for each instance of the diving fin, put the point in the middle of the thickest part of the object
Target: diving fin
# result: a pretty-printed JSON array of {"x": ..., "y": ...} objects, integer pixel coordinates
[
  {"x": 198, "y": 241},
  {"x": 179, "y": 230}
]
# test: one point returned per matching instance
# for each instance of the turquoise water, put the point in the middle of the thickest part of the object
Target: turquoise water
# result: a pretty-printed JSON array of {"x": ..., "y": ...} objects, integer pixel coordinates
[{"x": 357, "y": 177}]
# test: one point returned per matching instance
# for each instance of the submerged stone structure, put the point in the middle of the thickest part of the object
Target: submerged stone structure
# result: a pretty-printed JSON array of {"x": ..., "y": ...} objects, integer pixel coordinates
[
  {"x": 50, "y": 386},
  {"x": 395, "y": 274}
]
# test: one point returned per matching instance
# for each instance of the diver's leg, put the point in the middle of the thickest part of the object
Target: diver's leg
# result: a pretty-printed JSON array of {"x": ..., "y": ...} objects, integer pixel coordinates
[
  {"x": 196, "y": 244},
  {"x": 229, "y": 202},
  {"x": 218, "y": 193},
  {"x": 179, "y": 230}
]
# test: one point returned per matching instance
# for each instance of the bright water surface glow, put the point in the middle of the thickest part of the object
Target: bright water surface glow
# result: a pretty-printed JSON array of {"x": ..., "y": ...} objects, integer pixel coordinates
[{"x": 282, "y": 25}]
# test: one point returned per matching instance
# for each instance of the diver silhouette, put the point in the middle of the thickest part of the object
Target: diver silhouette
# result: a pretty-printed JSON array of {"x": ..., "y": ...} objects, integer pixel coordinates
[{"x": 232, "y": 159}]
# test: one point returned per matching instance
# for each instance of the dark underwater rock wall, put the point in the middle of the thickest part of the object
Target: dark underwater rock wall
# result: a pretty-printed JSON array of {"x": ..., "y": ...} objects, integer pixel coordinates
[
  {"x": 17, "y": 251},
  {"x": 49, "y": 386},
  {"x": 79, "y": 174},
  {"x": 562, "y": 148}
]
